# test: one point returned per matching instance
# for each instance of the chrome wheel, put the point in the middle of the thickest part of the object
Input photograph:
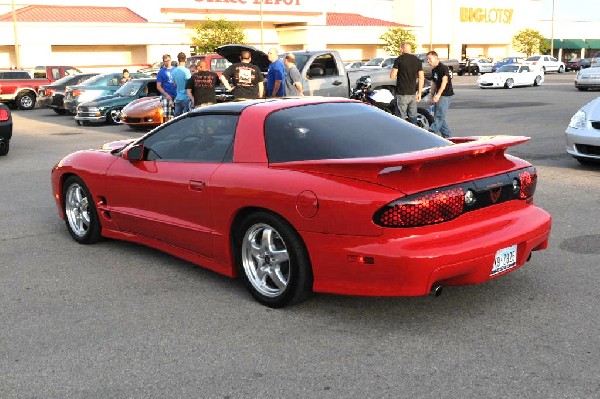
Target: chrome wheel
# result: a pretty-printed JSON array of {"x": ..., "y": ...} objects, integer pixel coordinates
[
  {"x": 114, "y": 116},
  {"x": 81, "y": 217},
  {"x": 509, "y": 83},
  {"x": 266, "y": 260},
  {"x": 76, "y": 210},
  {"x": 272, "y": 260}
]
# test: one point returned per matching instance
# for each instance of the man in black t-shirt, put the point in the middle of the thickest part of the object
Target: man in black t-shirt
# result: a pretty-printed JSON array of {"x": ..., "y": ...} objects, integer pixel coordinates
[
  {"x": 247, "y": 78},
  {"x": 442, "y": 92},
  {"x": 406, "y": 70},
  {"x": 201, "y": 86}
]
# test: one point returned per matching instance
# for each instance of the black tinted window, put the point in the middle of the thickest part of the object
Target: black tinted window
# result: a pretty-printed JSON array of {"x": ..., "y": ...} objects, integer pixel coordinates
[
  {"x": 196, "y": 138},
  {"x": 341, "y": 130}
]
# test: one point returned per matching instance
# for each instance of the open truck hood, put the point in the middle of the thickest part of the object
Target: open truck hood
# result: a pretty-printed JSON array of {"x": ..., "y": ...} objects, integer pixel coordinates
[{"x": 231, "y": 52}]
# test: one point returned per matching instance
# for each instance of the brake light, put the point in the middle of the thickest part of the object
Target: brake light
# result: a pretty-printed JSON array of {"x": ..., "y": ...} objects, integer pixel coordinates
[
  {"x": 447, "y": 203},
  {"x": 49, "y": 91},
  {"x": 528, "y": 182},
  {"x": 423, "y": 209},
  {"x": 78, "y": 92},
  {"x": 3, "y": 115}
]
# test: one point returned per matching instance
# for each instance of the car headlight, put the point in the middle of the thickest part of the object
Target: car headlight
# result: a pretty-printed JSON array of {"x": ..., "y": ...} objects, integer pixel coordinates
[{"x": 578, "y": 120}]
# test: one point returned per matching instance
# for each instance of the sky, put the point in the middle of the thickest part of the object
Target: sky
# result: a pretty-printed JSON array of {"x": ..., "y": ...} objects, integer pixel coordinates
[{"x": 571, "y": 10}]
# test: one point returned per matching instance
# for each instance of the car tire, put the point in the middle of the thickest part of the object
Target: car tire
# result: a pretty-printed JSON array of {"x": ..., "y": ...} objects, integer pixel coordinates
[
  {"x": 80, "y": 212},
  {"x": 60, "y": 111},
  {"x": 476, "y": 70},
  {"x": 114, "y": 116},
  {"x": 4, "y": 147},
  {"x": 509, "y": 84},
  {"x": 25, "y": 101},
  {"x": 582, "y": 88},
  {"x": 537, "y": 81},
  {"x": 561, "y": 69},
  {"x": 272, "y": 260},
  {"x": 424, "y": 118}
]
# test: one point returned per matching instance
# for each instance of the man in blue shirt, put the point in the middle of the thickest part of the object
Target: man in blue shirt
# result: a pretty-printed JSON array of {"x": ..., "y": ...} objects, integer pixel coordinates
[
  {"x": 166, "y": 86},
  {"x": 181, "y": 75},
  {"x": 275, "y": 75}
]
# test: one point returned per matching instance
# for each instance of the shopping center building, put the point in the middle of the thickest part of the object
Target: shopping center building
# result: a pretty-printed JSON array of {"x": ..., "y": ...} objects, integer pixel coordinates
[{"x": 90, "y": 33}]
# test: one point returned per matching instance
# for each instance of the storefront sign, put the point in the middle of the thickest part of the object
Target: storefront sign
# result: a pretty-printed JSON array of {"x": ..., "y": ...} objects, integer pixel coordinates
[
  {"x": 486, "y": 15},
  {"x": 265, "y": 2}
]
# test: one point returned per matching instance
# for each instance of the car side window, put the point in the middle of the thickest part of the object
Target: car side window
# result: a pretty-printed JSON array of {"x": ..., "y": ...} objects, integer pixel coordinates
[
  {"x": 194, "y": 138},
  {"x": 323, "y": 65}
]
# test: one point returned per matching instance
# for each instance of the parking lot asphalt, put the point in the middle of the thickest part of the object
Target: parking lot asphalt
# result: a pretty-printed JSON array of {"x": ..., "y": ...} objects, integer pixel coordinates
[{"x": 121, "y": 320}]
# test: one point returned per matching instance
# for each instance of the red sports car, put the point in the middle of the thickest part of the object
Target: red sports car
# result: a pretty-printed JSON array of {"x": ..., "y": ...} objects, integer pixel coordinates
[{"x": 311, "y": 195}]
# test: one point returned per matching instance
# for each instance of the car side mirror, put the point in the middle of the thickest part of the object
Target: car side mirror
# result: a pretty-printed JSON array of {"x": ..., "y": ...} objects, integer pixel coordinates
[{"x": 135, "y": 153}]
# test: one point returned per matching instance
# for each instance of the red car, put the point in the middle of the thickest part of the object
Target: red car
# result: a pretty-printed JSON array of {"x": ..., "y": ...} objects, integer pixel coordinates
[{"x": 311, "y": 195}]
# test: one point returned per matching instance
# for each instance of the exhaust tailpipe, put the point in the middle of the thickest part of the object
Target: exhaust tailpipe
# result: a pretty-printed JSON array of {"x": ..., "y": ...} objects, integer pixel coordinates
[{"x": 436, "y": 290}]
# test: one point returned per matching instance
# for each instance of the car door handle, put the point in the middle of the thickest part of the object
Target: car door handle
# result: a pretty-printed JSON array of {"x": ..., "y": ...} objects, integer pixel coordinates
[
  {"x": 196, "y": 185},
  {"x": 336, "y": 83}
]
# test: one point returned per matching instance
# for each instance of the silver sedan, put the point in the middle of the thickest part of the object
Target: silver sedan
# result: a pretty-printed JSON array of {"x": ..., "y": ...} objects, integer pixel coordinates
[{"x": 583, "y": 133}]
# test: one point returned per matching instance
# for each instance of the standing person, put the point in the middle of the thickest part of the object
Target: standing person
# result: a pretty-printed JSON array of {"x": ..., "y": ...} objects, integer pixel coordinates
[
  {"x": 247, "y": 78},
  {"x": 181, "y": 75},
  {"x": 293, "y": 78},
  {"x": 201, "y": 86},
  {"x": 125, "y": 78},
  {"x": 275, "y": 75},
  {"x": 406, "y": 70},
  {"x": 441, "y": 89},
  {"x": 166, "y": 86}
]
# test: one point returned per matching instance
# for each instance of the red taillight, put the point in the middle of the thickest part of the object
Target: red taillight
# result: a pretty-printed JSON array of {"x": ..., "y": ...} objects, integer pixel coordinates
[
  {"x": 3, "y": 115},
  {"x": 423, "y": 209},
  {"x": 77, "y": 92},
  {"x": 49, "y": 91},
  {"x": 447, "y": 203},
  {"x": 528, "y": 182}
]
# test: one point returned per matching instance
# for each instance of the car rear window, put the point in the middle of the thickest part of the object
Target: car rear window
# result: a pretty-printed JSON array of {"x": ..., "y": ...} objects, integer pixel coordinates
[{"x": 341, "y": 130}]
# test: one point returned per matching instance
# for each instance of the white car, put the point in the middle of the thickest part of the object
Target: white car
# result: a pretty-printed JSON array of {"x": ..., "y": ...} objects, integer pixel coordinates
[
  {"x": 588, "y": 78},
  {"x": 511, "y": 75},
  {"x": 379, "y": 62},
  {"x": 546, "y": 63},
  {"x": 583, "y": 133},
  {"x": 480, "y": 65}
]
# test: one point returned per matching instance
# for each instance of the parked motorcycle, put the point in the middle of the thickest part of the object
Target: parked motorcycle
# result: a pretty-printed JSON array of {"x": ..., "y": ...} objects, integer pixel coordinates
[{"x": 385, "y": 100}]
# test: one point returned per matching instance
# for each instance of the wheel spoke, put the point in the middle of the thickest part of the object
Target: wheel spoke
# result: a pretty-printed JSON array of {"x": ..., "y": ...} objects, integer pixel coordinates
[
  {"x": 278, "y": 278},
  {"x": 267, "y": 240},
  {"x": 279, "y": 257}
]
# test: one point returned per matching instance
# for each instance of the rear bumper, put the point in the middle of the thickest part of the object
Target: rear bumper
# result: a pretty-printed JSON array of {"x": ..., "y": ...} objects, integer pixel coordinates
[{"x": 408, "y": 262}]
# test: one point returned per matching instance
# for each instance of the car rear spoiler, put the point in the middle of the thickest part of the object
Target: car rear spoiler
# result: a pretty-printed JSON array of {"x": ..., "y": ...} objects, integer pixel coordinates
[{"x": 373, "y": 167}]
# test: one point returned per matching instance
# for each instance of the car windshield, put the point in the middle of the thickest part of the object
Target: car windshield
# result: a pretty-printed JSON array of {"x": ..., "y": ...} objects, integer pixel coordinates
[
  {"x": 508, "y": 68},
  {"x": 341, "y": 130},
  {"x": 374, "y": 62},
  {"x": 534, "y": 58},
  {"x": 130, "y": 88}
]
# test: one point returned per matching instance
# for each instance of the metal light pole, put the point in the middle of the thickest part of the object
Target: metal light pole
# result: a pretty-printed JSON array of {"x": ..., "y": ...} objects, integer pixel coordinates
[
  {"x": 552, "y": 30},
  {"x": 17, "y": 51},
  {"x": 262, "y": 45},
  {"x": 430, "y": 25}
]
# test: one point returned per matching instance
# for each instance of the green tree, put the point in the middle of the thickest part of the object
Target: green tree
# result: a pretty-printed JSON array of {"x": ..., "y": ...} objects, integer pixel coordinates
[
  {"x": 393, "y": 39},
  {"x": 530, "y": 42},
  {"x": 212, "y": 34}
]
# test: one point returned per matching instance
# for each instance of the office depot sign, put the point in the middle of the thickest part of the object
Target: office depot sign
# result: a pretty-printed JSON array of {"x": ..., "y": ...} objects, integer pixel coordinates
[{"x": 265, "y": 2}]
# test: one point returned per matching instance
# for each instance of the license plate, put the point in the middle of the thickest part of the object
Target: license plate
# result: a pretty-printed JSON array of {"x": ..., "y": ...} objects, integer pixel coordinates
[{"x": 505, "y": 259}]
